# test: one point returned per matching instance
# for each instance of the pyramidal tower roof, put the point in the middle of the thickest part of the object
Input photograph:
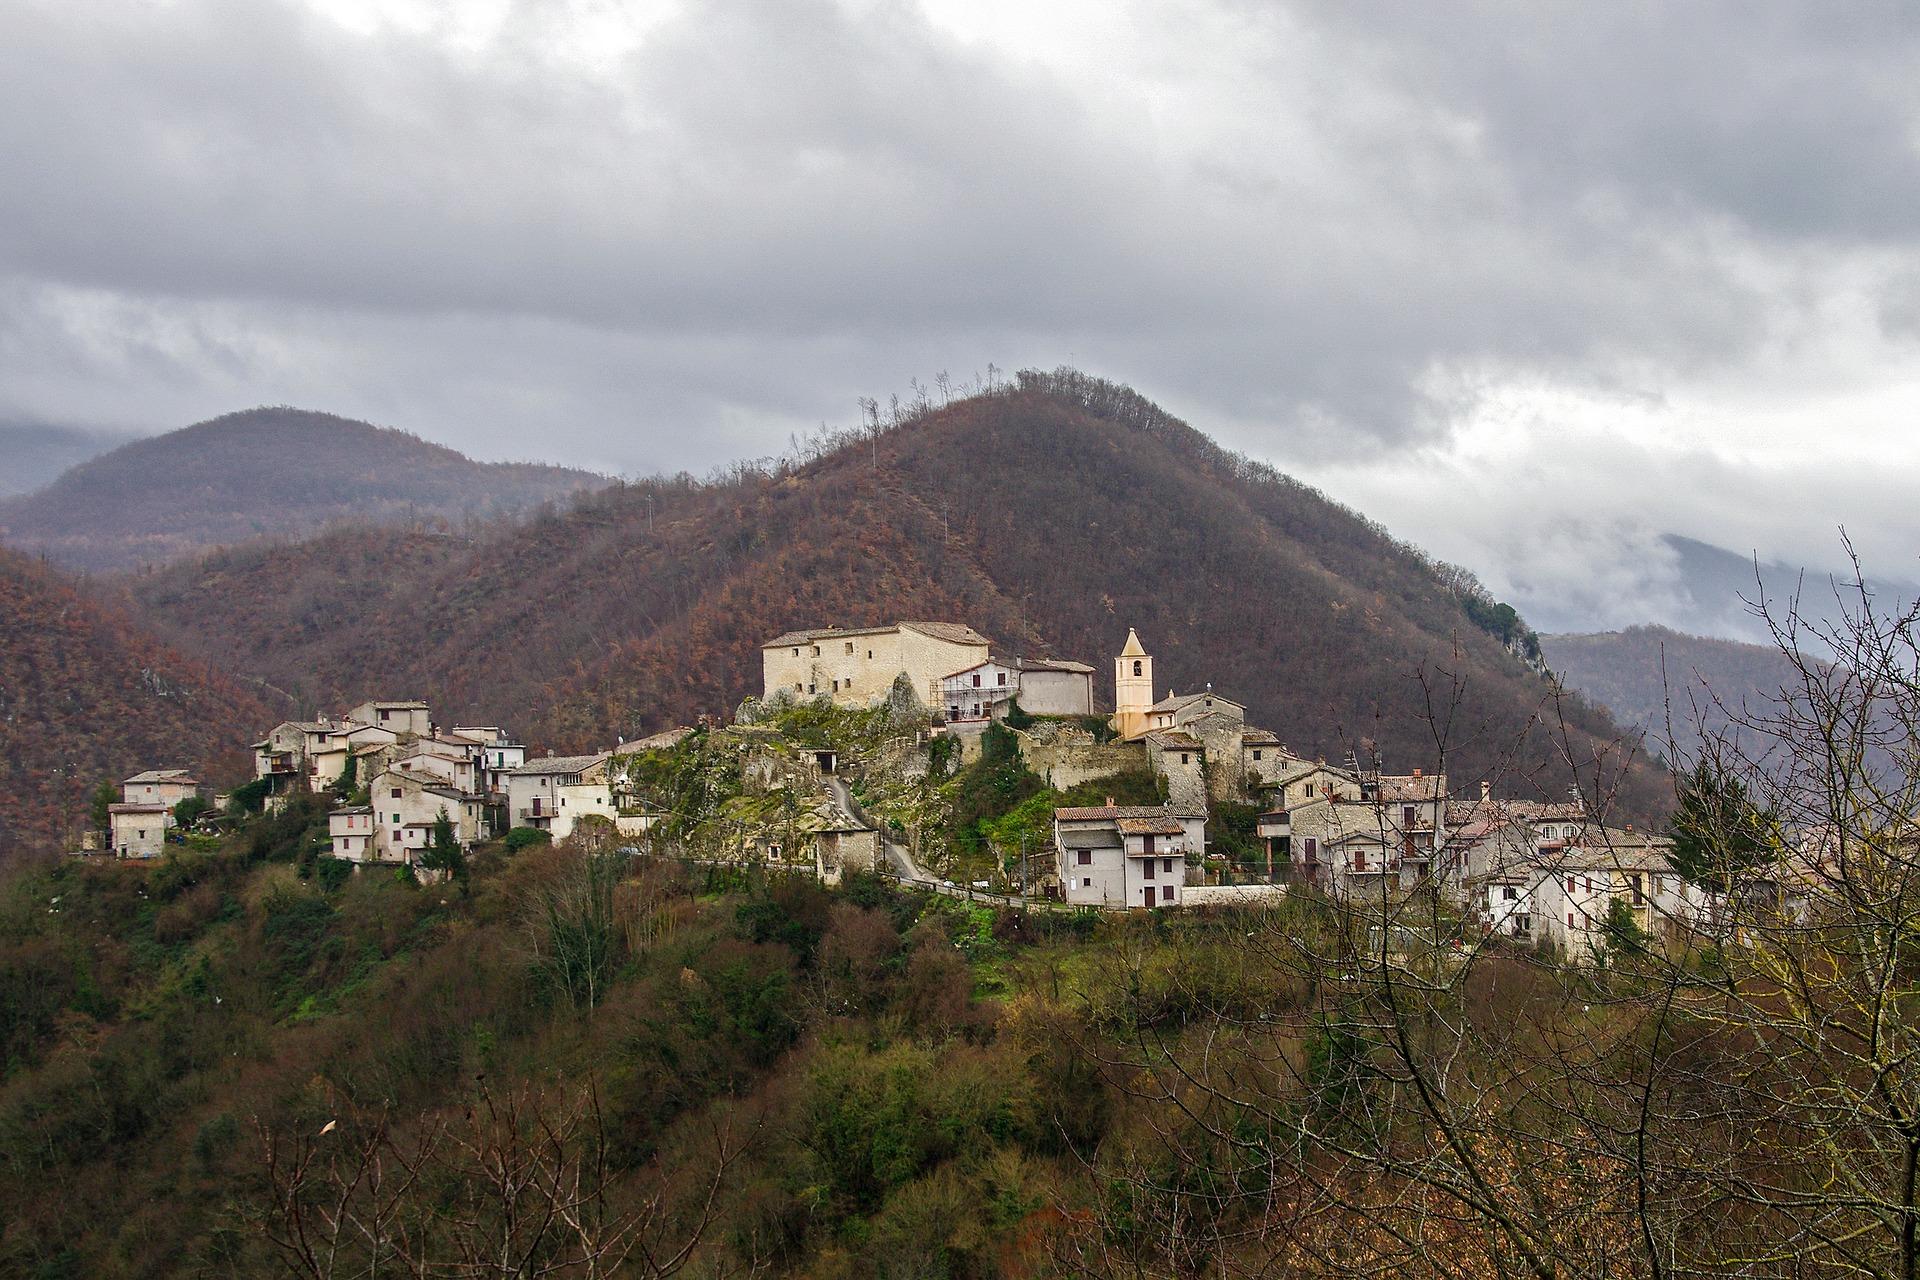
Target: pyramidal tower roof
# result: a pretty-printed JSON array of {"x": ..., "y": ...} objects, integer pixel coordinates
[{"x": 1133, "y": 649}]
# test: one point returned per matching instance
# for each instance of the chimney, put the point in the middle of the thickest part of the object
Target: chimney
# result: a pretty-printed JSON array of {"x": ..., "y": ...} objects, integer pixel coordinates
[
  {"x": 549, "y": 753},
  {"x": 1109, "y": 802},
  {"x": 1416, "y": 771},
  {"x": 1486, "y": 792}
]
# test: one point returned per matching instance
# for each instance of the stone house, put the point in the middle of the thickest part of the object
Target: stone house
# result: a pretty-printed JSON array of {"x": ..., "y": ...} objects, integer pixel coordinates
[
  {"x": 282, "y": 754},
  {"x": 1382, "y": 841},
  {"x": 164, "y": 787},
  {"x": 406, "y": 804},
  {"x": 398, "y": 717},
  {"x": 856, "y": 666},
  {"x": 1055, "y": 687},
  {"x": 552, "y": 793},
  {"x": 1181, "y": 759},
  {"x": 1125, "y": 855},
  {"x": 980, "y": 693},
  {"x": 351, "y": 830},
  {"x": 138, "y": 829}
]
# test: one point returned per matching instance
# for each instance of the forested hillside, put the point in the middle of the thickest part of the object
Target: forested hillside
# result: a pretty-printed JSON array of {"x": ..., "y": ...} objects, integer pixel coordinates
[
  {"x": 1670, "y": 684},
  {"x": 86, "y": 695},
  {"x": 1052, "y": 514},
  {"x": 265, "y": 472}
]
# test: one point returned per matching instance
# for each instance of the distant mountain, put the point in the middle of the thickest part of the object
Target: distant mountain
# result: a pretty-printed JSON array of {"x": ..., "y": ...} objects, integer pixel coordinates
[
  {"x": 32, "y": 455},
  {"x": 1664, "y": 681},
  {"x": 1721, "y": 588},
  {"x": 1053, "y": 515},
  {"x": 266, "y": 472},
  {"x": 85, "y": 695}
]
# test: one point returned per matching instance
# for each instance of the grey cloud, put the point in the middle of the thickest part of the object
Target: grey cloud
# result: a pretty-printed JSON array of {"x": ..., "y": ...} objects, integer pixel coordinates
[{"x": 1324, "y": 232}]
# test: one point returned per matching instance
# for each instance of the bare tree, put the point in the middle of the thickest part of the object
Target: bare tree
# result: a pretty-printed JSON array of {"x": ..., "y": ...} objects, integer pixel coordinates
[{"x": 519, "y": 1185}]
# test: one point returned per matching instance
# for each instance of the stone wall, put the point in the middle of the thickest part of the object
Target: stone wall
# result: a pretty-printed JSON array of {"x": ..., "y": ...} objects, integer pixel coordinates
[{"x": 1071, "y": 761}]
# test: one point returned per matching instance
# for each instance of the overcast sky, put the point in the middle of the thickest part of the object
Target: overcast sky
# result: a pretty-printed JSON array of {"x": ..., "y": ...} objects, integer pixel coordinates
[{"x": 1529, "y": 283}]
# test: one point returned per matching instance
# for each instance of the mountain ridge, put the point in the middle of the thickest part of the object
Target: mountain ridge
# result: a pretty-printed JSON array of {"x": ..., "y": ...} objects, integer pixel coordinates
[
  {"x": 262, "y": 472},
  {"x": 1051, "y": 514}
]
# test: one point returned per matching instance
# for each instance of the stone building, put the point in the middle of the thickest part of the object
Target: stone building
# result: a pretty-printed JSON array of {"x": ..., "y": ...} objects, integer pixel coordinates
[
  {"x": 1125, "y": 855},
  {"x": 856, "y": 666}
]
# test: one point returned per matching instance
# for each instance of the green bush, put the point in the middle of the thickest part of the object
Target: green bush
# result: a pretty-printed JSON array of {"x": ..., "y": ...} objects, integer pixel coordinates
[{"x": 524, "y": 837}]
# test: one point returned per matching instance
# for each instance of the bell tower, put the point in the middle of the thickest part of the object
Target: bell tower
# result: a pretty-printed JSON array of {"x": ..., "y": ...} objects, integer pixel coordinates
[{"x": 1132, "y": 688}]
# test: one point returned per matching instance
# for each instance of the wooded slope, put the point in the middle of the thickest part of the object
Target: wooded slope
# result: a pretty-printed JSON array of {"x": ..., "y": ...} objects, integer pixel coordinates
[
  {"x": 86, "y": 695},
  {"x": 1051, "y": 515},
  {"x": 264, "y": 472}
]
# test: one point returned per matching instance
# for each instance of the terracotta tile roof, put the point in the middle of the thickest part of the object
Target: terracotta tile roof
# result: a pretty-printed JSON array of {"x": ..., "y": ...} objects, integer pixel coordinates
[
  {"x": 556, "y": 764},
  {"x": 1176, "y": 740},
  {"x": 1261, "y": 738},
  {"x": 1149, "y": 827},
  {"x": 180, "y": 776},
  {"x": 138, "y": 808},
  {"x": 953, "y": 632},
  {"x": 1109, "y": 813},
  {"x": 1399, "y": 788}
]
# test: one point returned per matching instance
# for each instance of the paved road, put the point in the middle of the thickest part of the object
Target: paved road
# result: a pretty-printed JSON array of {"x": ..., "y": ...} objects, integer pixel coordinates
[{"x": 898, "y": 858}]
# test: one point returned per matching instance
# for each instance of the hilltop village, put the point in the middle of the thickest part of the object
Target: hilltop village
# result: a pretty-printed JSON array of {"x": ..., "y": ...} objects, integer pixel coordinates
[{"x": 853, "y": 758}]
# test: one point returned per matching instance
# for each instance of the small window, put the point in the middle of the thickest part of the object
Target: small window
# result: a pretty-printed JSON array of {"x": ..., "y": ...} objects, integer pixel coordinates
[
  {"x": 1509, "y": 893},
  {"x": 849, "y": 648},
  {"x": 1569, "y": 886},
  {"x": 1136, "y": 666},
  {"x": 1569, "y": 919},
  {"x": 1256, "y": 753},
  {"x": 1183, "y": 757},
  {"x": 1309, "y": 790},
  {"x": 1406, "y": 815},
  {"x": 1003, "y": 678},
  {"x": 796, "y": 653},
  {"x": 1086, "y": 882},
  {"x": 396, "y": 793},
  {"x": 976, "y": 679},
  {"x": 396, "y": 819},
  {"x": 1086, "y": 857},
  {"x": 869, "y": 655},
  {"x": 1166, "y": 865}
]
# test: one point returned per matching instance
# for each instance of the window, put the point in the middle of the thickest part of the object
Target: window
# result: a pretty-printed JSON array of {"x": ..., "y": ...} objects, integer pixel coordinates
[
  {"x": 1086, "y": 882},
  {"x": 796, "y": 686},
  {"x": 836, "y": 686},
  {"x": 385, "y": 714},
  {"x": 1166, "y": 893},
  {"x": 1509, "y": 894},
  {"x": 1523, "y": 924},
  {"x": 1136, "y": 666},
  {"x": 1569, "y": 886},
  {"x": 396, "y": 819},
  {"x": 1256, "y": 753},
  {"x": 1569, "y": 919},
  {"x": 396, "y": 793},
  {"x": 816, "y": 651},
  {"x": 813, "y": 688},
  {"x": 1146, "y": 869},
  {"x": 1633, "y": 883},
  {"x": 869, "y": 655},
  {"x": 976, "y": 679},
  {"x": 1309, "y": 790},
  {"x": 796, "y": 653},
  {"x": 1146, "y": 844},
  {"x": 1313, "y": 849},
  {"x": 1003, "y": 679},
  {"x": 849, "y": 648},
  {"x": 1406, "y": 815},
  {"x": 1086, "y": 857},
  {"x": 1166, "y": 865},
  {"x": 1183, "y": 757},
  {"x": 1359, "y": 859}
]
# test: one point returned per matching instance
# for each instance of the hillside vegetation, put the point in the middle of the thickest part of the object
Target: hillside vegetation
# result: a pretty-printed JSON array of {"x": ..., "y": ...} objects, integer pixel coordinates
[
  {"x": 1051, "y": 514},
  {"x": 270, "y": 472},
  {"x": 1671, "y": 685},
  {"x": 86, "y": 695}
]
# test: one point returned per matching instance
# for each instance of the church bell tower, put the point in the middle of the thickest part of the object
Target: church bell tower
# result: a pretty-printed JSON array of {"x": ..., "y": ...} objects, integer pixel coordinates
[{"x": 1132, "y": 688}]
